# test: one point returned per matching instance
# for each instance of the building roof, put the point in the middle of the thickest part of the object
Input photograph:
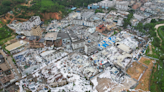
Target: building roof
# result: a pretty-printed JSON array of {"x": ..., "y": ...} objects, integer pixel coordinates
[
  {"x": 15, "y": 45},
  {"x": 41, "y": 40},
  {"x": 96, "y": 34},
  {"x": 2, "y": 59},
  {"x": 51, "y": 36},
  {"x": 123, "y": 47},
  {"x": 63, "y": 35},
  {"x": 47, "y": 53},
  {"x": 33, "y": 38},
  {"x": 79, "y": 41}
]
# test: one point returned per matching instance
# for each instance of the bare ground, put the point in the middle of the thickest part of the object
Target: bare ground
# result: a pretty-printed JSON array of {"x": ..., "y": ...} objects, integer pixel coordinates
[{"x": 144, "y": 81}]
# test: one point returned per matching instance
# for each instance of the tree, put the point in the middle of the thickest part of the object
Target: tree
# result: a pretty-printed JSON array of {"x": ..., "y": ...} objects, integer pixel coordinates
[
  {"x": 152, "y": 33},
  {"x": 156, "y": 42},
  {"x": 127, "y": 20},
  {"x": 6, "y": 3},
  {"x": 153, "y": 21}
]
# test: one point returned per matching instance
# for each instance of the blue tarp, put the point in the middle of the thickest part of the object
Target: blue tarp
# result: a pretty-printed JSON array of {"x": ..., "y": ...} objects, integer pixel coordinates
[
  {"x": 113, "y": 39},
  {"x": 73, "y": 8},
  {"x": 78, "y": 11},
  {"x": 104, "y": 45}
]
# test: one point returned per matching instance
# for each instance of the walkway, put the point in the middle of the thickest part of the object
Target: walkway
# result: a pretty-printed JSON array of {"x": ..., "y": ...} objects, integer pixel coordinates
[{"x": 157, "y": 26}]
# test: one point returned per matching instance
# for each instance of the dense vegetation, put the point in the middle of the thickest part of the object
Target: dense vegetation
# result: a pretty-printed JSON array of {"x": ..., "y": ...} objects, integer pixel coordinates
[
  {"x": 99, "y": 10},
  {"x": 127, "y": 20},
  {"x": 44, "y": 6},
  {"x": 5, "y": 33},
  {"x": 7, "y": 5},
  {"x": 157, "y": 76}
]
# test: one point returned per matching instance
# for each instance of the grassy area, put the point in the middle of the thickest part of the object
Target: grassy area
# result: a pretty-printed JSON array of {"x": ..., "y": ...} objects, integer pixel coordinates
[
  {"x": 156, "y": 78},
  {"x": 1, "y": 22},
  {"x": 6, "y": 39},
  {"x": 161, "y": 32},
  {"x": 99, "y": 10},
  {"x": 47, "y": 3},
  {"x": 5, "y": 33},
  {"x": 147, "y": 62},
  {"x": 156, "y": 52},
  {"x": 115, "y": 32}
]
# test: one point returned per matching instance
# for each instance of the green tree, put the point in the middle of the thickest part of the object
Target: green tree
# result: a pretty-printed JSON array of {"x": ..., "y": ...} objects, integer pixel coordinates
[
  {"x": 156, "y": 42},
  {"x": 153, "y": 21},
  {"x": 6, "y": 3}
]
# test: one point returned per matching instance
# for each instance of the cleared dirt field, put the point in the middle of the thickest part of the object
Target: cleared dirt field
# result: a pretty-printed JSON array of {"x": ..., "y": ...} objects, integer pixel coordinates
[
  {"x": 144, "y": 81},
  {"x": 136, "y": 70},
  {"x": 102, "y": 82},
  {"x": 47, "y": 16}
]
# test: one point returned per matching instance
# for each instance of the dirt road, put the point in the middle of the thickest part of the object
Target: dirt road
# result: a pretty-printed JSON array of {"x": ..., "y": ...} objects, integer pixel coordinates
[
  {"x": 157, "y": 26},
  {"x": 11, "y": 64},
  {"x": 28, "y": 4}
]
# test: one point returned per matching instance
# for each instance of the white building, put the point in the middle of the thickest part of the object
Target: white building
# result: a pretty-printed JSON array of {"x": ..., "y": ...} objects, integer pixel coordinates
[
  {"x": 120, "y": 22},
  {"x": 87, "y": 15},
  {"x": 34, "y": 20},
  {"x": 25, "y": 27},
  {"x": 78, "y": 45},
  {"x": 74, "y": 15},
  {"x": 91, "y": 47},
  {"x": 122, "y": 5},
  {"x": 138, "y": 17},
  {"x": 83, "y": 23},
  {"x": 106, "y": 3}
]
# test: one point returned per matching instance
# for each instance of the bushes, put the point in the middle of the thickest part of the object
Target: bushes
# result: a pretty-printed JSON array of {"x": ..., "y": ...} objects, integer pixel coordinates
[
  {"x": 156, "y": 42},
  {"x": 99, "y": 10},
  {"x": 127, "y": 20},
  {"x": 11, "y": 17},
  {"x": 6, "y": 3}
]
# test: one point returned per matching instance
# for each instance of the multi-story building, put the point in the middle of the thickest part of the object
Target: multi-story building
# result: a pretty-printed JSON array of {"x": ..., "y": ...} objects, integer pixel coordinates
[
  {"x": 137, "y": 5},
  {"x": 87, "y": 15},
  {"x": 96, "y": 36},
  {"x": 93, "y": 6},
  {"x": 101, "y": 28},
  {"x": 36, "y": 31},
  {"x": 50, "y": 38},
  {"x": 6, "y": 74},
  {"x": 34, "y": 20},
  {"x": 106, "y": 4},
  {"x": 122, "y": 5},
  {"x": 91, "y": 47},
  {"x": 78, "y": 45},
  {"x": 36, "y": 42},
  {"x": 25, "y": 27}
]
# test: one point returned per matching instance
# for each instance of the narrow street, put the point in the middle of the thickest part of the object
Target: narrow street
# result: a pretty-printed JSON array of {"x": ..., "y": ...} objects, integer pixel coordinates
[{"x": 11, "y": 64}]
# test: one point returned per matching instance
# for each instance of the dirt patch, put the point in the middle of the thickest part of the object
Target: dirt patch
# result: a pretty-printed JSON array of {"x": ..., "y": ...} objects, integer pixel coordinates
[
  {"x": 21, "y": 19},
  {"x": 7, "y": 17},
  {"x": 150, "y": 49},
  {"x": 144, "y": 81},
  {"x": 103, "y": 82},
  {"x": 47, "y": 16},
  {"x": 28, "y": 4},
  {"x": 136, "y": 70}
]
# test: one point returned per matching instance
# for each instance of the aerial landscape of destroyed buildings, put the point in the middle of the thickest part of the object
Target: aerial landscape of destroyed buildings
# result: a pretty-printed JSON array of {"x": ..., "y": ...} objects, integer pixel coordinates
[{"x": 85, "y": 51}]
